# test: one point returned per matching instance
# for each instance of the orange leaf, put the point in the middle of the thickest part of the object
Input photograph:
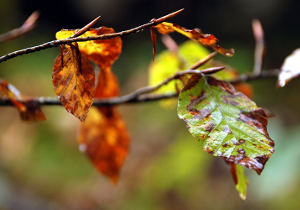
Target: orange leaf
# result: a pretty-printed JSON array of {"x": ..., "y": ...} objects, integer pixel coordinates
[
  {"x": 29, "y": 110},
  {"x": 103, "y": 136},
  {"x": 33, "y": 111},
  {"x": 153, "y": 39},
  {"x": 73, "y": 78},
  {"x": 229, "y": 74},
  {"x": 208, "y": 40},
  {"x": 103, "y": 52},
  {"x": 108, "y": 85},
  {"x": 244, "y": 88},
  {"x": 105, "y": 140}
]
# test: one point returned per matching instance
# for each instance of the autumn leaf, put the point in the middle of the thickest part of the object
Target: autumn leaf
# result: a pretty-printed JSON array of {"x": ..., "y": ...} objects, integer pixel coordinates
[
  {"x": 103, "y": 52},
  {"x": 29, "y": 110},
  {"x": 105, "y": 140},
  {"x": 103, "y": 136},
  {"x": 225, "y": 122},
  {"x": 74, "y": 82},
  {"x": 108, "y": 85},
  {"x": 208, "y": 40},
  {"x": 245, "y": 88},
  {"x": 240, "y": 179},
  {"x": 290, "y": 68}
]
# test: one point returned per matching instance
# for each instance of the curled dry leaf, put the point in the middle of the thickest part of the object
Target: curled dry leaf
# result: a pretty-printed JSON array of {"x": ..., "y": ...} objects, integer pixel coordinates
[
  {"x": 29, "y": 110},
  {"x": 240, "y": 179},
  {"x": 226, "y": 122},
  {"x": 290, "y": 68},
  {"x": 103, "y": 52},
  {"x": 74, "y": 82},
  {"x": 208, "y": 40}
]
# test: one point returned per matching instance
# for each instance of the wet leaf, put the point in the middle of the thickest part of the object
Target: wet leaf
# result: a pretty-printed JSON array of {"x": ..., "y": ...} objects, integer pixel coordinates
[
  {"x": 29, "y": 110},
  {"x": 105, "y": 140},
  {"x": 103, "y": 52},
  {"x": 240, "y": 179},
  {"x": 225, "y": 122},
  {"x": 74, "y": 82},
  {"x": 208, "y": 40},
  {"x": 290, "y": 68}
]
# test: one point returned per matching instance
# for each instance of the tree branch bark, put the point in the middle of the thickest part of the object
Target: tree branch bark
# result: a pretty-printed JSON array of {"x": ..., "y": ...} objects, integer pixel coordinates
[
  {"x": 142, "y": 95},
  {"x": 56, "y": 43}
]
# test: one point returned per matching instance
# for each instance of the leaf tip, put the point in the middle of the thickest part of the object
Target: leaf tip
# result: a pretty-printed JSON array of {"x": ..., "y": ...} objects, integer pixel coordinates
[{"x": 114, "y": 179}]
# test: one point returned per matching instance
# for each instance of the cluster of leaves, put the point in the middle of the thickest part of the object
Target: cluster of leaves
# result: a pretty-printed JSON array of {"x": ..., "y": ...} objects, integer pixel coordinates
[{"x": 221, "y": 116}]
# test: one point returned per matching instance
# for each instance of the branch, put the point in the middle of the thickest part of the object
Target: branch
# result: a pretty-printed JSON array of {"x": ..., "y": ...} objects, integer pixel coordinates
[
  {"x": 28, "y": 25},
  {"x": 258, "y": 33},
  {"x": 142, "y": 95},
  {"x": 261, "y": 75},
  {"x": 56, "y": 43}
]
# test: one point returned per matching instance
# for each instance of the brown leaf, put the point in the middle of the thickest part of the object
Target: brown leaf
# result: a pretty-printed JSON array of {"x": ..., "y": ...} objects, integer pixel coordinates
[
  {"x": 105, "y": 140},
  {"x": 153, "y": 39},
  {"x": 208, "y": 40},
  {"x": 33, "y": 111},
  {"x": 108, "y": 85},
  {"x": 103, "y": 136},
  {"x": 290, "y": 68},
  {"x": 103, "y": 52},
  {"x": 29, "y": 110},
  {"x": 73, "y": 78}
]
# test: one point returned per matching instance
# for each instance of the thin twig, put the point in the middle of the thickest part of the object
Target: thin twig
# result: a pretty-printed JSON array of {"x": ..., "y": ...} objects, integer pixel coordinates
[
  {"x": 141, "y": 95},
  {"x": 262, "y": 75},
  {"x": 86, "y": 27},
  {"x": 56, "y": 43},
  {"x": 28, "y": 25},
  {"x": 50, "y": 101},
  {"x": 204, "y": 60},
  {"x": 258, "y": 33}
]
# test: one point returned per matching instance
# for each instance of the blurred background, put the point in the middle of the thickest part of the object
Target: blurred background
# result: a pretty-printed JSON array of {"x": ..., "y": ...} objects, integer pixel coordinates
[{"x": 41, "y": 166}]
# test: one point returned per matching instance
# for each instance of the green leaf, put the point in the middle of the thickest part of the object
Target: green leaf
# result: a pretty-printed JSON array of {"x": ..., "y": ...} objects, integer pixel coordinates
[
  {"x": 225, "y": 122},
  {"x": 240, "y": 180},
  {"x": 168, "y": 63}
]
